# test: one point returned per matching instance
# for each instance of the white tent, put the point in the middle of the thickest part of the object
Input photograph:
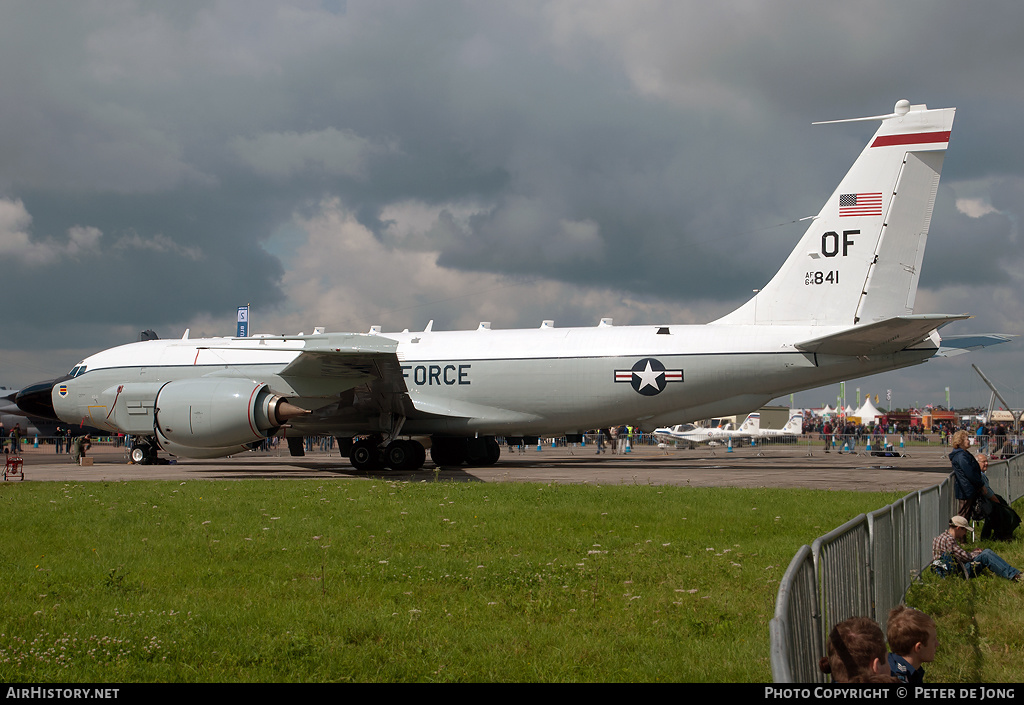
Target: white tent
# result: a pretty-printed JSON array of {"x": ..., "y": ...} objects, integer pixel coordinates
[{"x": 867, "y": 412}]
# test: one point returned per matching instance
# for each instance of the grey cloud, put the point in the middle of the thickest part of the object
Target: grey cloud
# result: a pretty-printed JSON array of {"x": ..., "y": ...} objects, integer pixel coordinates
[
  {"x": 20, "y": 246},
  {"x": 330, "y": 151}
]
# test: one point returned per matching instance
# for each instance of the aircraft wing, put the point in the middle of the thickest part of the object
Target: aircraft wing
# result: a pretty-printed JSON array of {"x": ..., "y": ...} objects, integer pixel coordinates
[
  {"x": 337, "y": 364},
  {"x": 881, "y": 338}
]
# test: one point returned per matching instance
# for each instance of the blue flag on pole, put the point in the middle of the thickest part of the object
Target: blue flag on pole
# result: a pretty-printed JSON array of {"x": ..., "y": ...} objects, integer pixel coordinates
[{"x": 243, "y": 322}]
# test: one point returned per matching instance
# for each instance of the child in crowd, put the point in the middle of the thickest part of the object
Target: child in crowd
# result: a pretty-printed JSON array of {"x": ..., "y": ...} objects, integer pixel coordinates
[
  {"x": 855, "y": 651},
  {"x": 912, "y": 641}
]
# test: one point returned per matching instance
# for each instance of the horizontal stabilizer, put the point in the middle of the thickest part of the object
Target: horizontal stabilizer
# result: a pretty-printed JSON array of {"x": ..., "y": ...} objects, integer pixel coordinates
[
  {"x": 881, "y": 338},
  {"x": 959, "y": 344}
]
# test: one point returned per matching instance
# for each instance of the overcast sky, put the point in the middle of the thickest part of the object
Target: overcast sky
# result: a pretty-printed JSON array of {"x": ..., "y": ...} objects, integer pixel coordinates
[{"x": 349, "y": 164}]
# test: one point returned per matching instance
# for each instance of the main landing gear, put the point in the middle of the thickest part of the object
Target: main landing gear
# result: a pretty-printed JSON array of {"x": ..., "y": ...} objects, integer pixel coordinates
[
  {"x": 447, "y": 451},
  {"x": 143, "y": 452},
  {"x": 368, "y": 454}
]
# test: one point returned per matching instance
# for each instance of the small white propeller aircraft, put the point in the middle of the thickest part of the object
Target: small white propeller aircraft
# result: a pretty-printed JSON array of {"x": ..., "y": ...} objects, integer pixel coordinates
[
  {"x": 841, "y": 307},
  {"x": 698, "y": 434}
]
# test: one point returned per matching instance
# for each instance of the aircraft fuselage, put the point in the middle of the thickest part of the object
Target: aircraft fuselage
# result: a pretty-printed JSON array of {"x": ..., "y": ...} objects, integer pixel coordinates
[{"x": 498, "y": 382}]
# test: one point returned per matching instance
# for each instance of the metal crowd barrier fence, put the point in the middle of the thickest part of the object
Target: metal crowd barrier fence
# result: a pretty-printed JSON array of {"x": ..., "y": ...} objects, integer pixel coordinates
[
  {"x": 863, "y": 568},
  {"x": 997, "y": 445},
  {"x": 63, "y": 442}
]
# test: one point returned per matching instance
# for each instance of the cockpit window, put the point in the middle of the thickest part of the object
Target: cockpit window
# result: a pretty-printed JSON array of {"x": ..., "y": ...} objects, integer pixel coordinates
[{"x": 77, "y": 370}]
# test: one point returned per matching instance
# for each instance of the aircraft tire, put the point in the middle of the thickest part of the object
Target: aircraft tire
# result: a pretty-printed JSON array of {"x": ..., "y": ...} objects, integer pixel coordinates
[
  {"x": 404, "y": 455},
  {"x": 142, "y": 453},
  {"x": 366, "y": 456},
  {"x": 447, "y": 451},
  {"x": 493, "y": 451},
  {"x": 483, "y": 454}
]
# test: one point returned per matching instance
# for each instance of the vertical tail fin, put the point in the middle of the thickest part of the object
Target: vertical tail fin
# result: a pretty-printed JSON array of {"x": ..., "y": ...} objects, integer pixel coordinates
[
  {"x": 752, "y": 424},
  {"x": 795, "y": 424},
  {"x": 860, "y": 260}
]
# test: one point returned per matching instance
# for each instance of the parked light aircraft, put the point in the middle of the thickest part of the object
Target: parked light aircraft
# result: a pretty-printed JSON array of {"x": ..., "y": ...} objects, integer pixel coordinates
[
  {"x": 841, "y": 307},
  {"x": 698, "y": 434},
  {"x": 751, "y": 428},
  {"x": 793, "y": 428}
]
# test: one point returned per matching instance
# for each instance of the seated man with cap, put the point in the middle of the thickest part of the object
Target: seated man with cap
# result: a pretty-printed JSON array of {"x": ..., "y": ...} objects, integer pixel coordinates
[{"x": 948, "y": 543}]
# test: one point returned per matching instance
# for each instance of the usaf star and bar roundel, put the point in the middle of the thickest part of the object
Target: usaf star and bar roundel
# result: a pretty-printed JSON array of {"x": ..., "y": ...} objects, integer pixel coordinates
[{"x": 648, "y": 376}]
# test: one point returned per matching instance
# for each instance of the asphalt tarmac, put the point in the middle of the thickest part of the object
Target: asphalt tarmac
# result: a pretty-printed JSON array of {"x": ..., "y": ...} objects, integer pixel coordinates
[{"x": 792, "y": 466}]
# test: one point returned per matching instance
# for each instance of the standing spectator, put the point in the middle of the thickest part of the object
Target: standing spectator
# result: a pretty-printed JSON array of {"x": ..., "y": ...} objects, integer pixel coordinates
[
  {"x": 970, "y": 485},
  {"x": 16, "y": 439},
  {"x": 625, "y": 434}
]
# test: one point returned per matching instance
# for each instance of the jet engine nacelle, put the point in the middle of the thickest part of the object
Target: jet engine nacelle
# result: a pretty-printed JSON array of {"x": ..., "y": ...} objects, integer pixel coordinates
[{"x": 209, "y": 418}]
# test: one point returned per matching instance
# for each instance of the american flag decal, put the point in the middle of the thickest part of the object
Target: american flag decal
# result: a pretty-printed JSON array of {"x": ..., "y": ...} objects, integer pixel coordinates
[{"x": 860, "y": 204}]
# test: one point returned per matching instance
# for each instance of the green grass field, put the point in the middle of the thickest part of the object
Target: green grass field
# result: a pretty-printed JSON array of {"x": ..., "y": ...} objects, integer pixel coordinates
[
  {"x": 377, "y": 581},
  {"x": 980, "y": 622}
]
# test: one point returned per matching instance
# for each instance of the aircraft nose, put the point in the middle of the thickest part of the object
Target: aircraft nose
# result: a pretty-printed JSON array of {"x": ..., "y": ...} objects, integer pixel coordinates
[{"x": 37, "y": 400}]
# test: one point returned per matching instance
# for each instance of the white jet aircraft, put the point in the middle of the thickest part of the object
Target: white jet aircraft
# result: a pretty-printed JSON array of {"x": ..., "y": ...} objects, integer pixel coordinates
[
  {"x": 841, "y": 307},
  {"x": 697, "y": 434}
]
